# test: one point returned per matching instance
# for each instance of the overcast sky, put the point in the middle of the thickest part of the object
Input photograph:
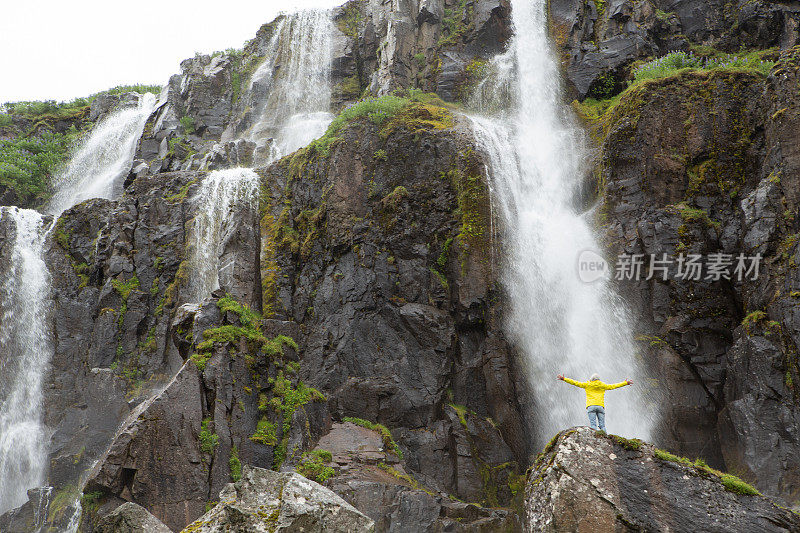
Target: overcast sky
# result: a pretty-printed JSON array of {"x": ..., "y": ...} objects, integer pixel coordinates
[{"x": 60, "y": 50}]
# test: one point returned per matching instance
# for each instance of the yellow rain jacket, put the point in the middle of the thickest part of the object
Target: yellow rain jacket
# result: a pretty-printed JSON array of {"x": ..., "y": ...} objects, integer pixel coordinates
[{"x": 595, "y": 390}]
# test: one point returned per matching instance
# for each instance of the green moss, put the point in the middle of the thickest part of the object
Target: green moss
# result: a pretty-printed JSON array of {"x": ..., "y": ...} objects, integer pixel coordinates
[
  {"x": 313, "y": 465},
  {"x": 405, "y": 478},
  {"x": 348, "y": 89},
  {"x": 207, "y": 438},
  {"x": 181, "y": 194},
  {"x": 441, "y": 261},
  {"x": 61, "y": 501},
  {"x": 736, "y": 485},
  {"x": 628, "y": 444},
  {"x": 730, "y": 482},
  {"x": 352, "y": 18},
  {"x": 601, "y": 7},
  {"x": 386, "y": 435},
  {"x": 124, "y": 288}
]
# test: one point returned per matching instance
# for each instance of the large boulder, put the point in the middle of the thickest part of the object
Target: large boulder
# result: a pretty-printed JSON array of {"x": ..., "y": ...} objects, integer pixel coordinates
[
  {"x": 587, "y": 481},
  {"x": 130, "y": 518},
  {"x": 264, "y": 500}
]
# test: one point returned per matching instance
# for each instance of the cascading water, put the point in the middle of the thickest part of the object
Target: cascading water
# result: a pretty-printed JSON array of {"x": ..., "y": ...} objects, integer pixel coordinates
[
  {"x": 559, "y": 323},
  {"x": 25, "y": 351},
  {"x": 292, "y": 91},
  {"x": 223, "y": 193},
  {"x": 94, "y": 171},
  {"x": 96, "y": 168},
  {"x": 295, "y": 78}
]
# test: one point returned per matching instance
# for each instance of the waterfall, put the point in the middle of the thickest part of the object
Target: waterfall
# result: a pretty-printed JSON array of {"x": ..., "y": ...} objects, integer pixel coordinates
[
  {"x": 103, "y": 159},
  {"x": 222, "y": 194},
  {"x": 291, "y": 90},
  {"x": 559, "y": 324},
  {"x": 94, "y": 171},
  {"x": 295, "y": 79},
  {"x": 25, "y": 351}
]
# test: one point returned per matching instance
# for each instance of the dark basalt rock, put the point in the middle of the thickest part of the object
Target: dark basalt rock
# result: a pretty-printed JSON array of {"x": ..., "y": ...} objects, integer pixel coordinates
[{"x": 721, "y": 144}]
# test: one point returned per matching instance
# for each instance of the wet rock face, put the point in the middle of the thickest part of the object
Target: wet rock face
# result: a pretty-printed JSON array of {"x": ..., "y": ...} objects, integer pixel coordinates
[
  {"x": 112, "y": 266},
  {"x": 264, "y": 500},
  {"x": 396, "y": 304},
  {"x": 364, "y": 265},
  {"x": 703, "y": 164},
  {"x": 375, "y": 480},
  {"x": 590, "y": 482}
]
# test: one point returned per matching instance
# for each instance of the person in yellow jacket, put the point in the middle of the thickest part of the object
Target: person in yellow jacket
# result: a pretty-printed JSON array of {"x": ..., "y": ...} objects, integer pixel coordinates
[{"x": 595, "y": 394}]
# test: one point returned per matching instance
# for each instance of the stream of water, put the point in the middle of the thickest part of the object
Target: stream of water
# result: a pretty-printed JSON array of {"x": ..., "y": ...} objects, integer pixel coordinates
[
  {"x": 101, "y": 162},
  {"x": 537, "y": 163},
  {"x": 25, "y": 351},
  {"x": 293, "y": 85}
]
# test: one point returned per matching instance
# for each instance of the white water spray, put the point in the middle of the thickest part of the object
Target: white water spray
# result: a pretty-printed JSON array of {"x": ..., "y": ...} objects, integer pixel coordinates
[
  {"x": 559, "y": 323},
  {"x": 296, "y": 79},
  {"x": 222, "y": 194},
  {"x": 98, "y": 166},
  {"x": 25, "y": 352}
]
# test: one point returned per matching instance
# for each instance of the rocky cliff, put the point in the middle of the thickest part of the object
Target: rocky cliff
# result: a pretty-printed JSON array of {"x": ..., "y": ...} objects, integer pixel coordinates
[{"x": 358, "y": 338}]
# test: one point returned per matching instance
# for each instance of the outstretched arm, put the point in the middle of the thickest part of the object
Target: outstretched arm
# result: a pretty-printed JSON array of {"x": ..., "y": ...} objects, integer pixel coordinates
[
  {"x": 620, "y": 384},
  {"x": 572, "y": 382}
]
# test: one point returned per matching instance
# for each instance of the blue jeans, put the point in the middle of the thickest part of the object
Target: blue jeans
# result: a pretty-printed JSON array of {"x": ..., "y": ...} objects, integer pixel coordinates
[{"x": 597, "y": 415}]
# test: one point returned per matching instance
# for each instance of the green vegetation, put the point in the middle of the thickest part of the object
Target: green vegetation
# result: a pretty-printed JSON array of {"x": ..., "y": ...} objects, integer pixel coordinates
[
  {"x": 187, "y": 123},
  {"x": 388, "y": 441},
  {"x": 350, "y": 22},
  {"x": 676, "y": 62},
  {"x": 265, "y": 433},
  {"x": 730, "y": 482},
  {"x": 32, "y": 152},
  {"x": 420, "y": 109},
  {"x": 759, "y": 318},
  {"x": 420, "y": 59},
  {"x": 208, "y": 439},
  {"x": 28, "y": 163},
  {"x": 313, "y": 465},
  {"x": 628, "y": 444},
  {"x": 250, "y": 330},
  {"x": 454, "y": 25},
  {"x": 691, "y": 214},
  {"x": 235, "y": 465},
  {"x": 124, "y": 288},
  {"x": 61, "y": 110},
  {"x": 61, "y": 501},
  {"x": 394, "y": 198},
  {"x": 90, "y": 501},
  {"x": 404, "y": 478},
  {"x": 601, "y": 7},
  {"x": 286, "y": 400}
]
